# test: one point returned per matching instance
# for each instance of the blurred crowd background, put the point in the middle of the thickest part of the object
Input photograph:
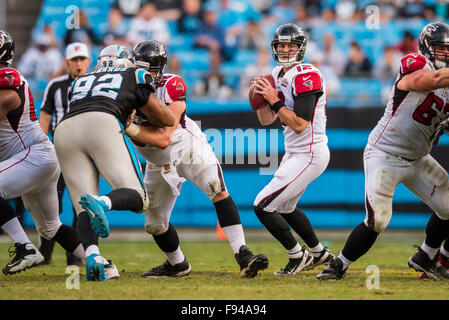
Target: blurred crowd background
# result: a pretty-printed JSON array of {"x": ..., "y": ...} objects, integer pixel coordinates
[{"x": 218, "y": 46}]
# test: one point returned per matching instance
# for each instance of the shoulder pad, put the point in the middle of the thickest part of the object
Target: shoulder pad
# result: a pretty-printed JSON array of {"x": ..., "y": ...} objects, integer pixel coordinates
[
  {"x": 9, "y": 78},
  {"x": 412, "y": 62},
  {"x": 306, "y": 82}
]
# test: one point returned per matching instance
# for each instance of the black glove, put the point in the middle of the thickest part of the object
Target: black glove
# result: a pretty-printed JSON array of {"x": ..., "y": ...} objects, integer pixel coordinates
[{"x": 441, "y": 129}]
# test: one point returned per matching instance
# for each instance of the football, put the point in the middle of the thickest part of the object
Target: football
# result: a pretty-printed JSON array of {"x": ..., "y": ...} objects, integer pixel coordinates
[{"x": 256, "y": 100}]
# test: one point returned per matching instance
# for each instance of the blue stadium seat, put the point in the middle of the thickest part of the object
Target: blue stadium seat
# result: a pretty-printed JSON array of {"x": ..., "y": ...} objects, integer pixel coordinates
[{"x": 198, "y": 59}]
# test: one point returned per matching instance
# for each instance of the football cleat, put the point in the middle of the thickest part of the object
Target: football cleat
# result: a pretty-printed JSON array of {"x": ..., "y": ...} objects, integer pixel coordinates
[
  {"x": 323, "y": 257},
  {"x": 25, "y": 255},
  {"x": 296, "y": 265},
  {"x": 96, "y": 209},
  {"x": 249, "y": 263},
  {"x": 432, "y": 269},
  {"x": 334, "y": 271},
  {"x": 111, "y": 270},
  {"x": 95, "y": 268},
  {"x": 168, "y": 270}
]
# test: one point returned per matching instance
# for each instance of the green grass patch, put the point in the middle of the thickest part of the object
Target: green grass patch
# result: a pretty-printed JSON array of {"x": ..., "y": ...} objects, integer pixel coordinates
[{"x": 215, "y": 276}]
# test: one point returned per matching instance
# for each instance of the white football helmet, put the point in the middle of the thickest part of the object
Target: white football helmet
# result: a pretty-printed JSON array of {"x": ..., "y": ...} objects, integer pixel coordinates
[{"x": 115, "y": 56}]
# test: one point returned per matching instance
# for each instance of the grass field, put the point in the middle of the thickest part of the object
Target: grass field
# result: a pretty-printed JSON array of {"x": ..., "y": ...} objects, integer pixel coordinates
[{"x": 215, "y": 276}]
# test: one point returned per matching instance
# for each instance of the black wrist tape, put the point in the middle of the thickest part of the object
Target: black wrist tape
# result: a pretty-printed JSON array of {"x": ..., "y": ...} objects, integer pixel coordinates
[{"x": 277, "y": 105}]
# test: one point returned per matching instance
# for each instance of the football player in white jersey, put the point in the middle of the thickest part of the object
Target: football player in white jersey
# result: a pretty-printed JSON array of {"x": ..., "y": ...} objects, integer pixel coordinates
[
  {"x": 299, "y": 101},
  {"x": 28, "y": 168},
  {"x": 398, "y": 152},
  {"x": 173, "y": 155}
]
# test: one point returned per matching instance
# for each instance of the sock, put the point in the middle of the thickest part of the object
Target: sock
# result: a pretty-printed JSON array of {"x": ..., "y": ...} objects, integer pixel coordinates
[
  {"x": 359, "y": 242},
  {"x": 317, "y": 249},
  {"x": 431, "y": 252},
  {"x": 229, "y": 219},
  {"x": 92, "y": 249},
  {"x": 175, "y": 257},
  {"x": 436, "y": 231},
  {"x": 125, "y": 199},
  {"x": 445, "y": 248},
  {"x": 67, "y": 237},
  {"x": 301, "y": 224},
  {"x": 168, "y": 241},
  {"x": 107, "y": 201},
  {"x": 15, "y": 231},
  {"x": 86, "y": 234},
  {"x": 346, "y": 262},
  {"x": 235, "y": 236},
  {"x": 277, "y": 226},
  {"x": 294, "y": 253},
  {"x": 79, "y": 252},
  {"x": 46, "y": 248}
]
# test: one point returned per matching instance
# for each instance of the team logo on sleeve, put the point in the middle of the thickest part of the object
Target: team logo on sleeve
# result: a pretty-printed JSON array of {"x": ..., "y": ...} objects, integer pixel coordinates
[
  {"x": 309, "y": 84},
  {"x": 410, "y": 61},
  {"x": 10, "y": 78},
  {"x": 178, "y": 85}
]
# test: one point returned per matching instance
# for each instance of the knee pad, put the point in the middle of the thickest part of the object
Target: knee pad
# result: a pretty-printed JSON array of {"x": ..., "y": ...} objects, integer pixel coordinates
[
  {"x": 434, "y": 173},
  {"x": 382, "y": 216},
  {"x": 156, "y": 228},
  {"x": 48, "y": 231}
]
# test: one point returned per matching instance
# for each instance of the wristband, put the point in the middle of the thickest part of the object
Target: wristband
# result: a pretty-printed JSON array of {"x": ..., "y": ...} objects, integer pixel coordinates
[
  {"x": 132, "y": 130},
  {"x": 277, "y": 105}
]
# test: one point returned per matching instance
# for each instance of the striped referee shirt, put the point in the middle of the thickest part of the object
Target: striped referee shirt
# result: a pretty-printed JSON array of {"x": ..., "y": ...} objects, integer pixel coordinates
[{"x": 55, "y": 101}]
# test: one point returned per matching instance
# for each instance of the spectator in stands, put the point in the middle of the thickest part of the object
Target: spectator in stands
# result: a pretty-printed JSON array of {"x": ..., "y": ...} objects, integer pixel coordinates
[
  {"x": 48, "y": 30},
  {"x": 387, "y": 66},
  {"x": 387, "y": 10},
  {"x": 213, "y": 82},
  {"x": 261, "y": 66},
  {"x": 190, "y": 20},
  {"x": 174, "y": 66},
  {"x": 333, "y": 56},
  {"x": 416, "y": 9},
  {"x": 408, "y": 44},
  {"x": 148, "y": 25},
  {"x": 358, "y": 65},
  {"x": 345, "y": 10},
  {"x": 117, "y": 28},
  {"x": 211, "y": 35},
  {"x": 128, "y": 8},
  {"x": 253, "y": 37},
  {"x": 282, "y": 12},
  {"x": 84, "y": 33},
  {"x": 41, "y": 60},
  {"x": 333, "y": 84},
  {"x": 169, "y": 9}
]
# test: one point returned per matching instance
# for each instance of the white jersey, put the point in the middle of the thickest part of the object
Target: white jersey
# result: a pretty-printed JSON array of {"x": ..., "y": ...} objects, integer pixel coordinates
[
  {"x": 411, "y": 117},
  {"x": 299, "y": 80},
  {"x": 19, "y": 129},
  {"x": 170, "y": 89}
]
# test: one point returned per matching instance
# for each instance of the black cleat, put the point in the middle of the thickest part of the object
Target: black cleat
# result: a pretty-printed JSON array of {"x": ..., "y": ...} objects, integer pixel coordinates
[
  {"x": 249, "y": 263},
  {"x": 323, "y": 257},
  {"x": 295, "y": 266},
  {"x": 334, "y": 271},
  {"x": 25, "y": 255},
  {"x": 167, "y": 270},
  {"x": 433, "y": 269}
]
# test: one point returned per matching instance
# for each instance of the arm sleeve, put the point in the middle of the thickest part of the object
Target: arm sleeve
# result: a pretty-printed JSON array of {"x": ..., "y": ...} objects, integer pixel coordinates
[{"x": 305, "y": 104}]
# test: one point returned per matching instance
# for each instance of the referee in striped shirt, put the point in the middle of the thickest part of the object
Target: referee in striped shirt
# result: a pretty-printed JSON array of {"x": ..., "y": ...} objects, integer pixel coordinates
[{"x": 54, "y": 106}]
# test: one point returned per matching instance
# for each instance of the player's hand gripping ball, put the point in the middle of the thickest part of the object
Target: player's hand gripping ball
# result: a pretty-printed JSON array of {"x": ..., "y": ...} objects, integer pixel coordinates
[{"x": 256, "y": 100}]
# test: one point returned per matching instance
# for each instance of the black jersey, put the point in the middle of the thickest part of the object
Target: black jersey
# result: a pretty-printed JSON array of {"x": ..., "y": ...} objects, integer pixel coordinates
[{"x": 116, "y": 91}]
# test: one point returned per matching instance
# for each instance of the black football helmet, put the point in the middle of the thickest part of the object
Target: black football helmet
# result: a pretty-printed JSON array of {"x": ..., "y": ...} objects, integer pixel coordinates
[
  {"x": 289, "y": 33},
  {"x": 151, "y": 55},
  {"x": 6, "y": 47},
  {"x": 435, "y": 34}
]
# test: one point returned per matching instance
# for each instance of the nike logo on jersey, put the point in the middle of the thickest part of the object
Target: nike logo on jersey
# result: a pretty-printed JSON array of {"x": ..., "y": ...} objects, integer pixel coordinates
[{"x": 304, "y": 79}]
